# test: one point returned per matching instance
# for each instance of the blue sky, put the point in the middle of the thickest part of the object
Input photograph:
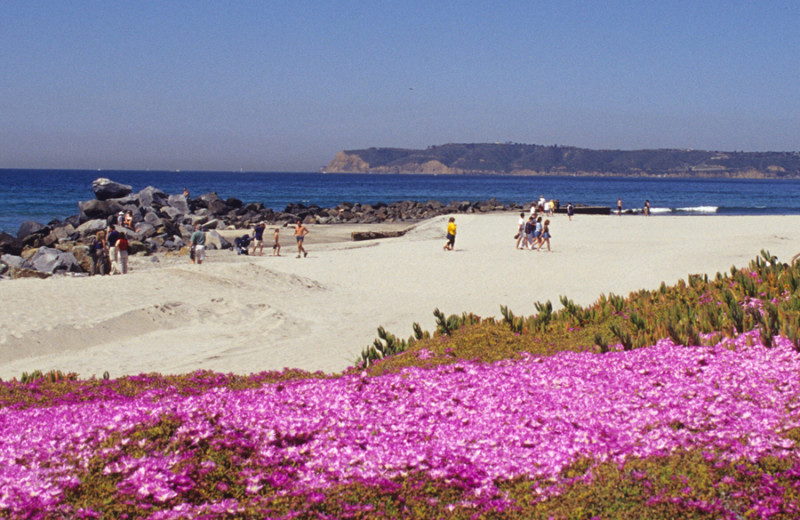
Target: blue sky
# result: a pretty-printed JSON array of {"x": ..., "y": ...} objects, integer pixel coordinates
[{"x": 284, "y": 85}]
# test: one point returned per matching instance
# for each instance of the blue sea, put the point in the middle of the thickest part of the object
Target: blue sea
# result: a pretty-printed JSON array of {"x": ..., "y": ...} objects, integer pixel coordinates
[{"x": 45, "y": 195}]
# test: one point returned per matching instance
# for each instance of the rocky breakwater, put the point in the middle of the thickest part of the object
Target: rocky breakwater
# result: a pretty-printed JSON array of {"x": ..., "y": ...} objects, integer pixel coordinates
[{"x": 163, "y": 223}]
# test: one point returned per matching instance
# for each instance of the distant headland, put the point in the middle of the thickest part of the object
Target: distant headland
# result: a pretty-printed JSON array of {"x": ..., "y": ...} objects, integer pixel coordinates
[{"x": 532, "y": 159}]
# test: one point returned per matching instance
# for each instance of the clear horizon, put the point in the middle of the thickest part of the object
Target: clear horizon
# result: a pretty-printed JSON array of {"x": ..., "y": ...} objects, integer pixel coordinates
[{"x": 284, "y": 86}]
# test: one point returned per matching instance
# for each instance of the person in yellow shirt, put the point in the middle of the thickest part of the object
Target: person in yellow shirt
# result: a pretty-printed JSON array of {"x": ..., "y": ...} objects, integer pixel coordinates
[{"x": 451, "y": 234}]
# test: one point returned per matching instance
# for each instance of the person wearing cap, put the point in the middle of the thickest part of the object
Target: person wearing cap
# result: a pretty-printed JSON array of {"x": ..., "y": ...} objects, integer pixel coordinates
[
  {"x": 120, "y": 218},
  {"x": 258, "y": 238}
]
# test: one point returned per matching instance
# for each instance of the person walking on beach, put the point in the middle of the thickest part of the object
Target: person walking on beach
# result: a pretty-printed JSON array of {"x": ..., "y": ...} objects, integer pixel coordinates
[
  {"x": 619, "y": 206},
  {"x": 451, "y": 234},
  {"x": 258, "y": 239},
  {"x": 530, "y": 225},
  {"x": 570, "y": 211},
  {"x": 537, "y": 233},
  {"x": 112, "y": 237},
  {"x": 521, "y": 230},
  {"x": 276, "y": 245},
  {"x": 545, "y": 235},
  {"x": 198, "y": 241},
  {"x": 647, "y": 208},
  {"x": 300, "y": 232}
]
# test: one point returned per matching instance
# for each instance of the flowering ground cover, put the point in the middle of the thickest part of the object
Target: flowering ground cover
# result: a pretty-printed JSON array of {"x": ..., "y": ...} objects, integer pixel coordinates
[
  {"x": 478, "y": 426},
  {"x": 519, "y": 419}
]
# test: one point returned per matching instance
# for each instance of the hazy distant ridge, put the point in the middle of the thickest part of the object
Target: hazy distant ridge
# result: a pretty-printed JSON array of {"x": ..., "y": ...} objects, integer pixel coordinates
[{"x": 531, "y": 159}]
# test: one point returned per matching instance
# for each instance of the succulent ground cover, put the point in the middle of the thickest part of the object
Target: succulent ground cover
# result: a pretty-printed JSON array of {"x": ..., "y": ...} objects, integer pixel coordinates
[{"x": 683, "y": 402}]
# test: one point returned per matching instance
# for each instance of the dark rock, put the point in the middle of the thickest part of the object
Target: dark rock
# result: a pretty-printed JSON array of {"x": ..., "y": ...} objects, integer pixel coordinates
[
  {"x": 217, "y": 207},
  {"x": 74, "y": 220},
  {"x": 92, "y": 209},
  {"x": 9, "y": 244},
  {"x": 373, "y": 235},
  {"x": 29, "y": 227},
  {"x": 105, "y": 189},
  {"x": 49, "y": 260},
  {"x": 234, "y": 203},
  {"x": 136, "y": 247}
]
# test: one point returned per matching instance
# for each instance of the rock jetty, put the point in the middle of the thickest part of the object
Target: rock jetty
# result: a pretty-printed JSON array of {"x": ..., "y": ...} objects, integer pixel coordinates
[{"x": 163, "y": 222}]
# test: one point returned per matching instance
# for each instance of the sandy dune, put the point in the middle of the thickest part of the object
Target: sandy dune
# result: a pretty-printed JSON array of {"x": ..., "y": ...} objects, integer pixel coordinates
[{"x": 246, "y": 314}]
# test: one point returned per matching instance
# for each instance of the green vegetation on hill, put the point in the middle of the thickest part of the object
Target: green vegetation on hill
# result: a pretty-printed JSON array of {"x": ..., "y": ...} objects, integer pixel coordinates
[{"x": 514, "y": 158}]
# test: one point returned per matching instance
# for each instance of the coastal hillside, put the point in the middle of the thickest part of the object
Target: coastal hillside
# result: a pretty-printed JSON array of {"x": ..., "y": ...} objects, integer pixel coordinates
[{"x": 532, "y": 159}]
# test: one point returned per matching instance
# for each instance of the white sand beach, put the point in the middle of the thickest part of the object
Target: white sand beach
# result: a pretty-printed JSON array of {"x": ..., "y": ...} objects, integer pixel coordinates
[{"x": 246, "y": 314}]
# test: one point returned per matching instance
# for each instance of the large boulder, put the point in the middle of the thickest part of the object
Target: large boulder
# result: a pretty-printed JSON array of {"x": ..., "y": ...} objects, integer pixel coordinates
[
  {"x": 29, "y": 227},
  {"x": 172, "y": 213},
  {"x": 153, "y": 219},
  {"x": 151, "y": 196},
  {"x": 83, "y": 256},
  {"x": 217, "y": 207},
  {"x": 178, "y": 202},
  {"x": 216, "y": 241},
  {"x": 91, "y": 227},
  {"x": 49, "y": 260},
  {"x": 15, "y": 261},
  {"x": 92, "y": 209},
  {"x": 105, "y": 189},
  {"x": 145, "y": 230}
]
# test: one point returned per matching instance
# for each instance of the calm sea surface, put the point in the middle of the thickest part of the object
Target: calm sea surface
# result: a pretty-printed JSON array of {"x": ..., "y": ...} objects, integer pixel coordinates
[{"x": 44, "y": 195}]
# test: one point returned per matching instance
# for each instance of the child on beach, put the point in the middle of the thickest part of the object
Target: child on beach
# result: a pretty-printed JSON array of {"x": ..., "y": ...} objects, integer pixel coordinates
[
  {"x": 451, "y": 234},
  {"x": 276, "y": 246}
]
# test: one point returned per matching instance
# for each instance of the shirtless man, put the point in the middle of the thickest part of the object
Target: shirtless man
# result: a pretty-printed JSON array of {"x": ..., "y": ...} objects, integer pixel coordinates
[{"x": 300, "y": 232}]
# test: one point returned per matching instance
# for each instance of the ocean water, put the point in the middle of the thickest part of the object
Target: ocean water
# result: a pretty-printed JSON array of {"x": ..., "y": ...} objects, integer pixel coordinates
[{"x": 45, "y": 195}]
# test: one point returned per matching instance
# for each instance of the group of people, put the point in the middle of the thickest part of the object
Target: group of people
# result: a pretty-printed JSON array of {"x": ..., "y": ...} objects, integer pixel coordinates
[
  {"x": 109, "y": 251},
  {"x": 258, "y": 240},
  {"x": 533, "y": 233}
]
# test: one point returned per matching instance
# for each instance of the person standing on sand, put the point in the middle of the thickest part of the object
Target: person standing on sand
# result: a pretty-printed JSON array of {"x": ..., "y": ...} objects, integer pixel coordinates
[
  {"x": 451, "y": 234},
  {"x": 570, "y": 211},
  {"x": 198, "y": 241},
  {"x": 300, "y": 232},
  {"x": 113, "y": 257},
  {"x": 619, "y": 206},
  {"x": 122, "y": 253},
  {"x": 647, "y": 208},
  {"x": 258, "y": 239},
  {"x": 98, "y": 249},
  {"x": 276, "y": 245}
]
